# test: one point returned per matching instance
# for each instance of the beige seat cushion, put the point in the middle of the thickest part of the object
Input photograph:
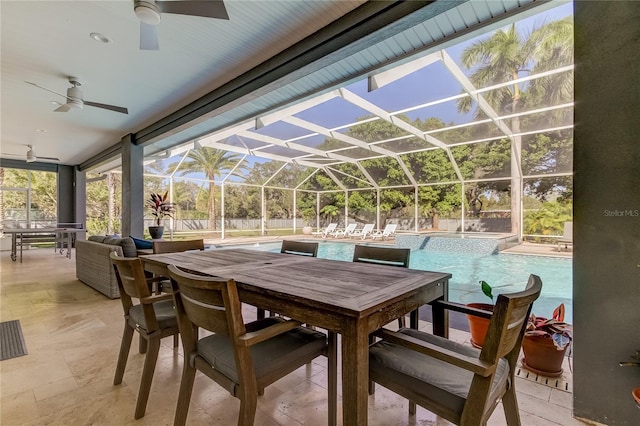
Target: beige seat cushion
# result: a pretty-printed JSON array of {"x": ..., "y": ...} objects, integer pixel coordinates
[
  {"x": 430, "y": 377},
  {"x": 269, "y": 355}
]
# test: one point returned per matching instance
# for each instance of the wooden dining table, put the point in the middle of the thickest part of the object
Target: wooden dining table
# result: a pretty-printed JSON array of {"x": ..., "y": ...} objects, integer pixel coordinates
[{"x": 349, "y": 298}]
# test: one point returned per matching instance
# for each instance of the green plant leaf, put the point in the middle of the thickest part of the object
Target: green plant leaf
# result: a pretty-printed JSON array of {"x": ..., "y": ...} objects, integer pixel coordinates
[{"x": 486, "y": 289}]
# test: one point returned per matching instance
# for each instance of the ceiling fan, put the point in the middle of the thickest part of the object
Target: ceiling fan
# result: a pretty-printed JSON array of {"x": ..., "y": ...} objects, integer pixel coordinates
[
  {"x": 74, "y": 98},
  {"x": 31, "y": 155},
  {"x": 149, "y": 12}
]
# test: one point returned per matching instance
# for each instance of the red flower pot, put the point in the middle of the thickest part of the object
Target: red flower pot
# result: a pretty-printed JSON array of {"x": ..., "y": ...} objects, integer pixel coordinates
[
  {"x": 478, "y": 327},
  {"x": 541, "y": 356}
]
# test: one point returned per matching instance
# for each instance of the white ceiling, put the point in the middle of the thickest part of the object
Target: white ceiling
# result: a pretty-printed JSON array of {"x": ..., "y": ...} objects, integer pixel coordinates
[{"x": 45, "y": 42}]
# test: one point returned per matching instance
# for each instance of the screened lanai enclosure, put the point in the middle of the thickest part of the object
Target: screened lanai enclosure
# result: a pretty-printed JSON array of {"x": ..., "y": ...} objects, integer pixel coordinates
[{"x": 475, "y": 137}]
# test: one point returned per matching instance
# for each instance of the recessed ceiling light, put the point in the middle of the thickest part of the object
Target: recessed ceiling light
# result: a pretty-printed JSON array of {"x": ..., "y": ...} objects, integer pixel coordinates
[
  {"x": 41, "y": 130},
  {"x": 99, "y": 37}
]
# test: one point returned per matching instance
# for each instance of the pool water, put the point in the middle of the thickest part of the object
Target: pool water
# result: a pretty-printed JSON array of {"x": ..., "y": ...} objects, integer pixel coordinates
[{"x": 506, "y": 273}]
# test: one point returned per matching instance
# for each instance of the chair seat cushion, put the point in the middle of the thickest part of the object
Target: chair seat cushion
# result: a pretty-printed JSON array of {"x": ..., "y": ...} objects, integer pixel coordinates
[
  {"x": 278, "y": 352},
  {"x": 165, "y": 314},
  {"x": 428, "y": 377}
]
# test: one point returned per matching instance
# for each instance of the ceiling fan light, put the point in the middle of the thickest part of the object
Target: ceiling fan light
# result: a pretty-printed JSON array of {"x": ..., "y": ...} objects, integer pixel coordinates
[
  {"x": 147, "y": 12},
  {"x": 75, "y": 103},
  {"x": 31, "y": 156}
]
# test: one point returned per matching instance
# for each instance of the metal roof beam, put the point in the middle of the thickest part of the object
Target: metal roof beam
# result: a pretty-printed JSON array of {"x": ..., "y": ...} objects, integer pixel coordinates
[
  {"x": 336, "y": 135},
  {"x": 296, "y": 146}
]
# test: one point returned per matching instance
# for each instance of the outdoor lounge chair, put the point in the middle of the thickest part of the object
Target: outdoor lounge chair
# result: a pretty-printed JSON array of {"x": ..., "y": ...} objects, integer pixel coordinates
[
  {"x": 567, "y": 236},
  {"x": 346, "y": 232},
  {"x": 388, "y": 232},
  {"x": 362, "y": 233},
  {"x": 330, "y": 229}
]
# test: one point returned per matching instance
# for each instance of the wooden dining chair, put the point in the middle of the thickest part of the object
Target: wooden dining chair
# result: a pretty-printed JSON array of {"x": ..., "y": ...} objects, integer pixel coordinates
[
  {"x": 242, "y": 358},
  {"x": 160, "y": 247},
  {"x": 455, "y": 381},
  {"x": 304, "y": 248},
  {"x": 153, "y": 318},
  {"x": 176, "y": 246},
  {"x": 376, "y": 255},
  {"x": 301, "y": 248}
]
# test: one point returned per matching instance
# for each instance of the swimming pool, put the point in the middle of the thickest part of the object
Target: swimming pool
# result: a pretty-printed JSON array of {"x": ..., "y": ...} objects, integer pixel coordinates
[{"x": 505, "y": 272}]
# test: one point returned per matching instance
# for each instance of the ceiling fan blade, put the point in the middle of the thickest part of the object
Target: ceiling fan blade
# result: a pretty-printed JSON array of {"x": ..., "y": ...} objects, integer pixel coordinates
[
  {"x": 47, "y": 158},
  {"x": 148, "y": 37},
  {"x": 62, "y": 108},
  {"x": 207, "y": 9},
  {"x": 44, "y": 88},
  {"x": 106, "y": 106}
]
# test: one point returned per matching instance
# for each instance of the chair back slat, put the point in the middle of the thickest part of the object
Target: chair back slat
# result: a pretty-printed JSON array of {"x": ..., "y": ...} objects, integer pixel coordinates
[
  {"x": 508, "y": 321},
  {"x": 382, "y": 255},
  {"x": 130, "y": 276},
  {"x": 305, "y": 248},
  {"x": 177, "y": 246},
  {"x": 210, "y": 303}
]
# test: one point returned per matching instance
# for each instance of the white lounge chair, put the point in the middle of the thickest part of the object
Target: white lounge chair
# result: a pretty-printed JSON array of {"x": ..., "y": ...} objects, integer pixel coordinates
[
  {"x": 388, "y": 232},
  {"x": 567, "y": 237},
  {"x": 346, "y": 231},
  {"x": 327, "y": 231},
  {"x": 362, "y": 233}
]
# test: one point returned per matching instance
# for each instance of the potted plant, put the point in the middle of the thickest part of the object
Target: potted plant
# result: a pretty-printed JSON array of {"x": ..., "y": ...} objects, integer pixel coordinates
[
  {"x": 160, "y": 208},
  {"x": 478, "y": 326},
  {"x": 545, "y": 343}
]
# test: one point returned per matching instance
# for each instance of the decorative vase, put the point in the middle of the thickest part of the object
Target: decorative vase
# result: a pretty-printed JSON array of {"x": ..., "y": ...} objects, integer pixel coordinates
[
  {"x": 478, "y": 327},
  {"x": 156, "y": 232},
  {"x": 541, "y": 356}
]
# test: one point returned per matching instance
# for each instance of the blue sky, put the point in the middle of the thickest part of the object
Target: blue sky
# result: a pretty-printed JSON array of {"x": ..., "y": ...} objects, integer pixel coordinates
[{"x": 430, "y": 83}]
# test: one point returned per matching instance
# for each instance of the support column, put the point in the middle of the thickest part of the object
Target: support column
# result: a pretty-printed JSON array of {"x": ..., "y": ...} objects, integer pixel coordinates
[
  {"x": 80, "y": 199},
  {"x": 66, "y": 195},
  {"x": 132, "y": 188},
  {"x": 606, "y": 228}
]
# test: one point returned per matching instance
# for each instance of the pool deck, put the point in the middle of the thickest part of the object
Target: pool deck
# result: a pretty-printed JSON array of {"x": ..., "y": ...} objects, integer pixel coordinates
[
  {"x": 533, "y": 249},
  {"x": 525, "y": 248}
]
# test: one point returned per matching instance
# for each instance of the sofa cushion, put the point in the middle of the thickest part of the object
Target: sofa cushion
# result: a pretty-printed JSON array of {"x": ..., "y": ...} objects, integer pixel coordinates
[
  {"x": 142, "y": 244},
  {"x": 97, "y": 238},
  {"x": 127, "y": 244}
]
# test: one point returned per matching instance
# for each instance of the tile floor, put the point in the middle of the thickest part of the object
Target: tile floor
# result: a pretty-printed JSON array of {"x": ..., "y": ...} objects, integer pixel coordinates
[{"x": 73, "y": 335}]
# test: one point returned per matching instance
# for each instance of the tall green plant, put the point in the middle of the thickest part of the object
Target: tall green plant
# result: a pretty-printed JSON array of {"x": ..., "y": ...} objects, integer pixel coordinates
[
  {"x": 507, "y": 55},
  {"x": 212, "y": 163},
  {"x": 548, "y": 220}
]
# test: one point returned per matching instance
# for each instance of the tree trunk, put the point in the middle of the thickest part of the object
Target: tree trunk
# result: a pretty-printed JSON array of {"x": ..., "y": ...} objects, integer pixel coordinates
[
  {"x": 435, "y": 219},
  {"x": 111, "y": 203}
]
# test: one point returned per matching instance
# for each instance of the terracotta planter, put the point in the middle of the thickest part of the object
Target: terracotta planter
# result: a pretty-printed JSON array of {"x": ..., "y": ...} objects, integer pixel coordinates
[
  {"x": 478, "y": 327},
  {"x": 156, "y": 232},
  {"x": 636, "y": 396},
  {"x": 541, "y": 356}
]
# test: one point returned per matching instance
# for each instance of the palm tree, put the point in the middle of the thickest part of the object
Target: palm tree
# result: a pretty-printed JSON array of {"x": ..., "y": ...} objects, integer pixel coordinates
[
  {"x": 504, "y": 56},
  {"x": 212, "y": 162}
]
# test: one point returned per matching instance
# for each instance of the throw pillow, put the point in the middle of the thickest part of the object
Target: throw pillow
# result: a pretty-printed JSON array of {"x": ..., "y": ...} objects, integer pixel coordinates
[
  {"x": 142, "y": 244},
  {"x": 128, "y": 247}
]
